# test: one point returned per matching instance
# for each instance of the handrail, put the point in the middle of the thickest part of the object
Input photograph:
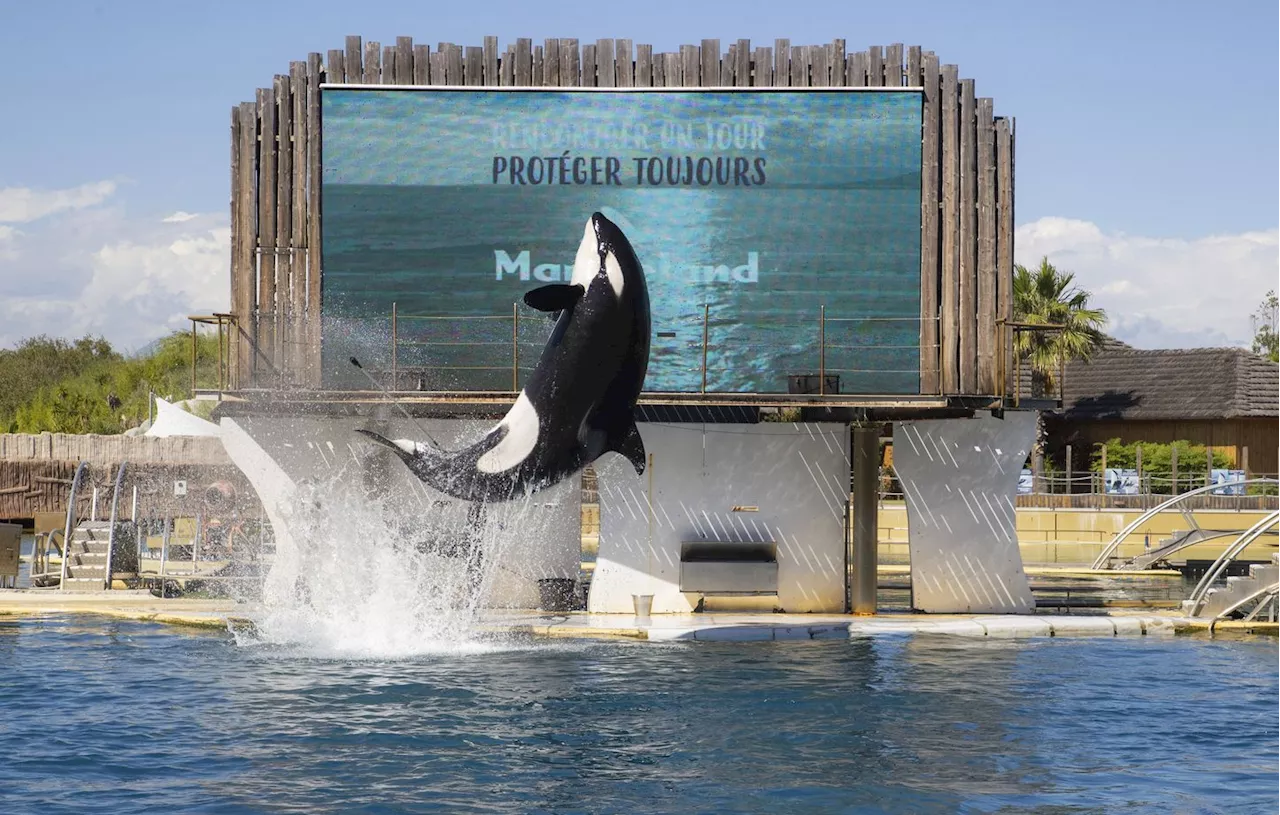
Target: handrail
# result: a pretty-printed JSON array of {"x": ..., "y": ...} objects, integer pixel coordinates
[
  {"x": 111, "y": 530},
  {"x": 1265, "y": 593},
  {"x": 398, "y": 319},
  {"x": 1104, "y": 557},
  {"x": 71, "y": 519},
  {"x": 1229, "y": 554},
  {"x": 40, "y": 554}
]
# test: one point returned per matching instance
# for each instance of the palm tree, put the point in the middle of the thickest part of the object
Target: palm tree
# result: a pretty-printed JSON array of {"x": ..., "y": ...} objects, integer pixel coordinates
[
  {"x": 1266, "y": 342},
  {"x": 1046, "y": 296}
]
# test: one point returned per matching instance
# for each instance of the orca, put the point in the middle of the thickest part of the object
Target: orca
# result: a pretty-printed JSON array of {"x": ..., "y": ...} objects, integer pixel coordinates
[{"x": 579, "y": 403}]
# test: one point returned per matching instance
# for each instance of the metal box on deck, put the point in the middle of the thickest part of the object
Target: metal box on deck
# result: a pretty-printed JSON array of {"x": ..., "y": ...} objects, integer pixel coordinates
[{"x": 10, "y": 549}]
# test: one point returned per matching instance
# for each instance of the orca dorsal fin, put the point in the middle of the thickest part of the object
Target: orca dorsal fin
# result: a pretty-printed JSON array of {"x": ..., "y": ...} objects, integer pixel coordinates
[
  {"x": 628, "y": 443},
  {"x": 555, "y": 297}
]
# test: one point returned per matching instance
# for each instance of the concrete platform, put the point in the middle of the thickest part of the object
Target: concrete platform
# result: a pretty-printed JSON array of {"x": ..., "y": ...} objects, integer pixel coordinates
[
  {"x": 763, "y": 627},
  {"x": 128, "y": 605},
  {"x": 738, "y": 627}
]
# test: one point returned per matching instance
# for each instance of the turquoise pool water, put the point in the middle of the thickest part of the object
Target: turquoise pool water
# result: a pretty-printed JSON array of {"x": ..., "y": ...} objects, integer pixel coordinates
[{"x": 115, "y": 717}]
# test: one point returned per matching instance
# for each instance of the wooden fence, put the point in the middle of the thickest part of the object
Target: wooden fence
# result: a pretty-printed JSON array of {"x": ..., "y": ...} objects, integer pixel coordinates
[
  {"x": 36, "y": 472},
  {"x": 112, "y": 449},
  {"x": 967, "y": 189}
]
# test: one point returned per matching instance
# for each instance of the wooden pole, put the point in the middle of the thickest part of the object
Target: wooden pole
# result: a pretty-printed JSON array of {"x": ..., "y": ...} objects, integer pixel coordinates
[
  {"x": 311, "y": 234},
  {"x": 1173, "y": 466},
  {"x": 1103, "y": 469},
  {"x": 706, "y": 316},
  {"x": 1138, "y": 457},
  {"x": 866, "y": 481},
  {"x": 929, "y": 208},
  {"x": 986, "y": 237},
  {"x": 950, "y": 263},
  {"x": 193, "y": 358},
  {"x": 286, "y": 264},
  {"x": 822, "y": 350},
  {"x": 1070, "y": 485},
  {"x": 1004, "y": 238},
  {"x": 267, "y": 333},
  {"x": 968, "y": 243},
  {"x": 298, "y": 238},
  {"x": 221, "y": 386}
]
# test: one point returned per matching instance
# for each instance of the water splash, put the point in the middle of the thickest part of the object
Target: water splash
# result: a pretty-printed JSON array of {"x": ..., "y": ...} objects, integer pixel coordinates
[{"x": 394, "y": 574}]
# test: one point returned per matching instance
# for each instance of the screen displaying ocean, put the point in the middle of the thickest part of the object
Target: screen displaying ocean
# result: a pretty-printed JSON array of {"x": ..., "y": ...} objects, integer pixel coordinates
[{"x": 799, "y": 253}]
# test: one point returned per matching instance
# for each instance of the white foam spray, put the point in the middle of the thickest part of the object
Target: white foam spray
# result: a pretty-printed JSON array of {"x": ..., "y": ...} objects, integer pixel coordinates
[{"x": 390, "y": 576}]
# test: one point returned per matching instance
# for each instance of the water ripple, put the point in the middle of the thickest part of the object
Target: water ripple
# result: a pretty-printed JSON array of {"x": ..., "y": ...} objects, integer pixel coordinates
[{"x": 113, "y": 716}]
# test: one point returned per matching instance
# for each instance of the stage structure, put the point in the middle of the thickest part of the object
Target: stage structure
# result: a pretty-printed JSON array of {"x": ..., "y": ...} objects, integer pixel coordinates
[
  {"x": 820, "y": 228},
  {"x": 965, "y": 220}
]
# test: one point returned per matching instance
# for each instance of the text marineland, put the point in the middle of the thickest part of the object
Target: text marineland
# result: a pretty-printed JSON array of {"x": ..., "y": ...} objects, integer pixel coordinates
[{"x": 521, "y": 267}]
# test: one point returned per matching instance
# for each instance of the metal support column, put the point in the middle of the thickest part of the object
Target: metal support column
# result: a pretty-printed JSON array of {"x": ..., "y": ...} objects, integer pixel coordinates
[{"x": 866, "y": 484}]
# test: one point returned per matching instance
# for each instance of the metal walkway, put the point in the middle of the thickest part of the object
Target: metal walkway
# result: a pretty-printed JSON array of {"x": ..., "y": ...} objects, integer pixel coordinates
[
  {"x": 1249, "y": 596},
  {"x": 1180, "y": 540}
]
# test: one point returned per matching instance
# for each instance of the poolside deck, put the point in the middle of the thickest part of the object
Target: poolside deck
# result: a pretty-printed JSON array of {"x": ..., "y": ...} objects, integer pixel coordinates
[{"x": 224, "y": 614}]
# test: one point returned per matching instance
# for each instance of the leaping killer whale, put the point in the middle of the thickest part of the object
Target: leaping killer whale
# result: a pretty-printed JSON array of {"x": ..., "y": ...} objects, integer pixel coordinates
[{"x": 579, "y": 402}]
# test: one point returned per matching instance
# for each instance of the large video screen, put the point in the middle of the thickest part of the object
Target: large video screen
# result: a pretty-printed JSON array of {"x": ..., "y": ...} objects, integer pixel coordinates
[{"x": 779, "y": 231}]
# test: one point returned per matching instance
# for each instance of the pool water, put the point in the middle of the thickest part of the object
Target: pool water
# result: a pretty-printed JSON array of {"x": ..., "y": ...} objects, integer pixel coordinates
[{"x": 115, "y": 717}]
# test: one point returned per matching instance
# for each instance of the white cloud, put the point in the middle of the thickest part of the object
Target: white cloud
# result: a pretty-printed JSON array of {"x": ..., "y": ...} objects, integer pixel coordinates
[
  {"x": 179, "y": 217},
  {"x": 8, "y": 242},
  {"x": 23, "y": 205},
  {"x": 1161, "y": 292},
  {"x": 94, "y": 269}
]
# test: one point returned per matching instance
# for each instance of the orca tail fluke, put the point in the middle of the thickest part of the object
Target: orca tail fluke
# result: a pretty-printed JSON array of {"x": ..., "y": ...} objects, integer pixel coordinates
[{"x": 400, "y": 448}]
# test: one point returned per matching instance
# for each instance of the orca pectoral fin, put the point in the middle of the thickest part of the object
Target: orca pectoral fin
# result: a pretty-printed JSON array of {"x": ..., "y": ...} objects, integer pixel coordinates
[
  {"x": 628, "y": 443},
  {"x": 555, "y": 297}
]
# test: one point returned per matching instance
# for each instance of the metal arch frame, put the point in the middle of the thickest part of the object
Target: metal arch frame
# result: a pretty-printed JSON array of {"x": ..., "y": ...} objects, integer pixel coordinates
[
  {"x": 1187, "y": 542},
  {"x": 1261, "y": 597},
  {"x": 71, "y": 522},
  {"x": 1198, "y": 595},
  {"x": 1103, "y": 559},
  {"x": 111, "y": 530}
]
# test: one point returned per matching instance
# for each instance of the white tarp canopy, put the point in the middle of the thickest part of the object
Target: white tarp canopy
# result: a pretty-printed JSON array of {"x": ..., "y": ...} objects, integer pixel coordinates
[{"x": 172, "y": 420}]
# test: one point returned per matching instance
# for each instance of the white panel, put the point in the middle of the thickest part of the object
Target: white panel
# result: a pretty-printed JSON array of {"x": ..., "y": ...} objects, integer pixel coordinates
[
  {"x": 960, "y": 477},
  {"x": 795, "y": 476},
  {"x": 277, "y": 492}
]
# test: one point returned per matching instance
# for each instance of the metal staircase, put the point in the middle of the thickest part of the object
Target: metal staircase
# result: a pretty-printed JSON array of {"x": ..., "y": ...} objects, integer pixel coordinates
[
  {"x": 1108, "y": 558},
  {"x": 87, "y": 544},
  {"x": 86, "y": 557},
  {"x": 1246, "y": 593},
  {"x": 1248, "y": 596},
  {"x": 1179, "y": 540}
]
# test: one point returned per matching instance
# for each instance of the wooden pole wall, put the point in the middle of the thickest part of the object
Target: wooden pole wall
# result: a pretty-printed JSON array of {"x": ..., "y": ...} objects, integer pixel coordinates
[
  {"x": 930, "y": 251},
  {"x": 280, "y": 306},
  {"x": 967, "y": 170}
]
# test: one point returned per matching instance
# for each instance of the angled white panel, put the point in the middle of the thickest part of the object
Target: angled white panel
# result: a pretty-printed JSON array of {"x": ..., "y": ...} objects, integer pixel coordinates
[
  {"x": 288, "y": 458},
  {"x": 960, "y": 477},
  {"x": 773, "y": 482}
]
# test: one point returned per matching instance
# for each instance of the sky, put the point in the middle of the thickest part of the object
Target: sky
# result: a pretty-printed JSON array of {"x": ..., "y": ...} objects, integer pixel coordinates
[{"x": 1147, "y": 138}]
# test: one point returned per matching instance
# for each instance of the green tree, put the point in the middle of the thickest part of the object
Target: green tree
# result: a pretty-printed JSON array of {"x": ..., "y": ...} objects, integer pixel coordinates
[
  {"x": 1047, "y": 296},
  {"x": 86, "y": 387},
  {"x": 42, "y": 362},
  {"x": 1157, "y": 462},
  {"x": 1266, "y": 341}
]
